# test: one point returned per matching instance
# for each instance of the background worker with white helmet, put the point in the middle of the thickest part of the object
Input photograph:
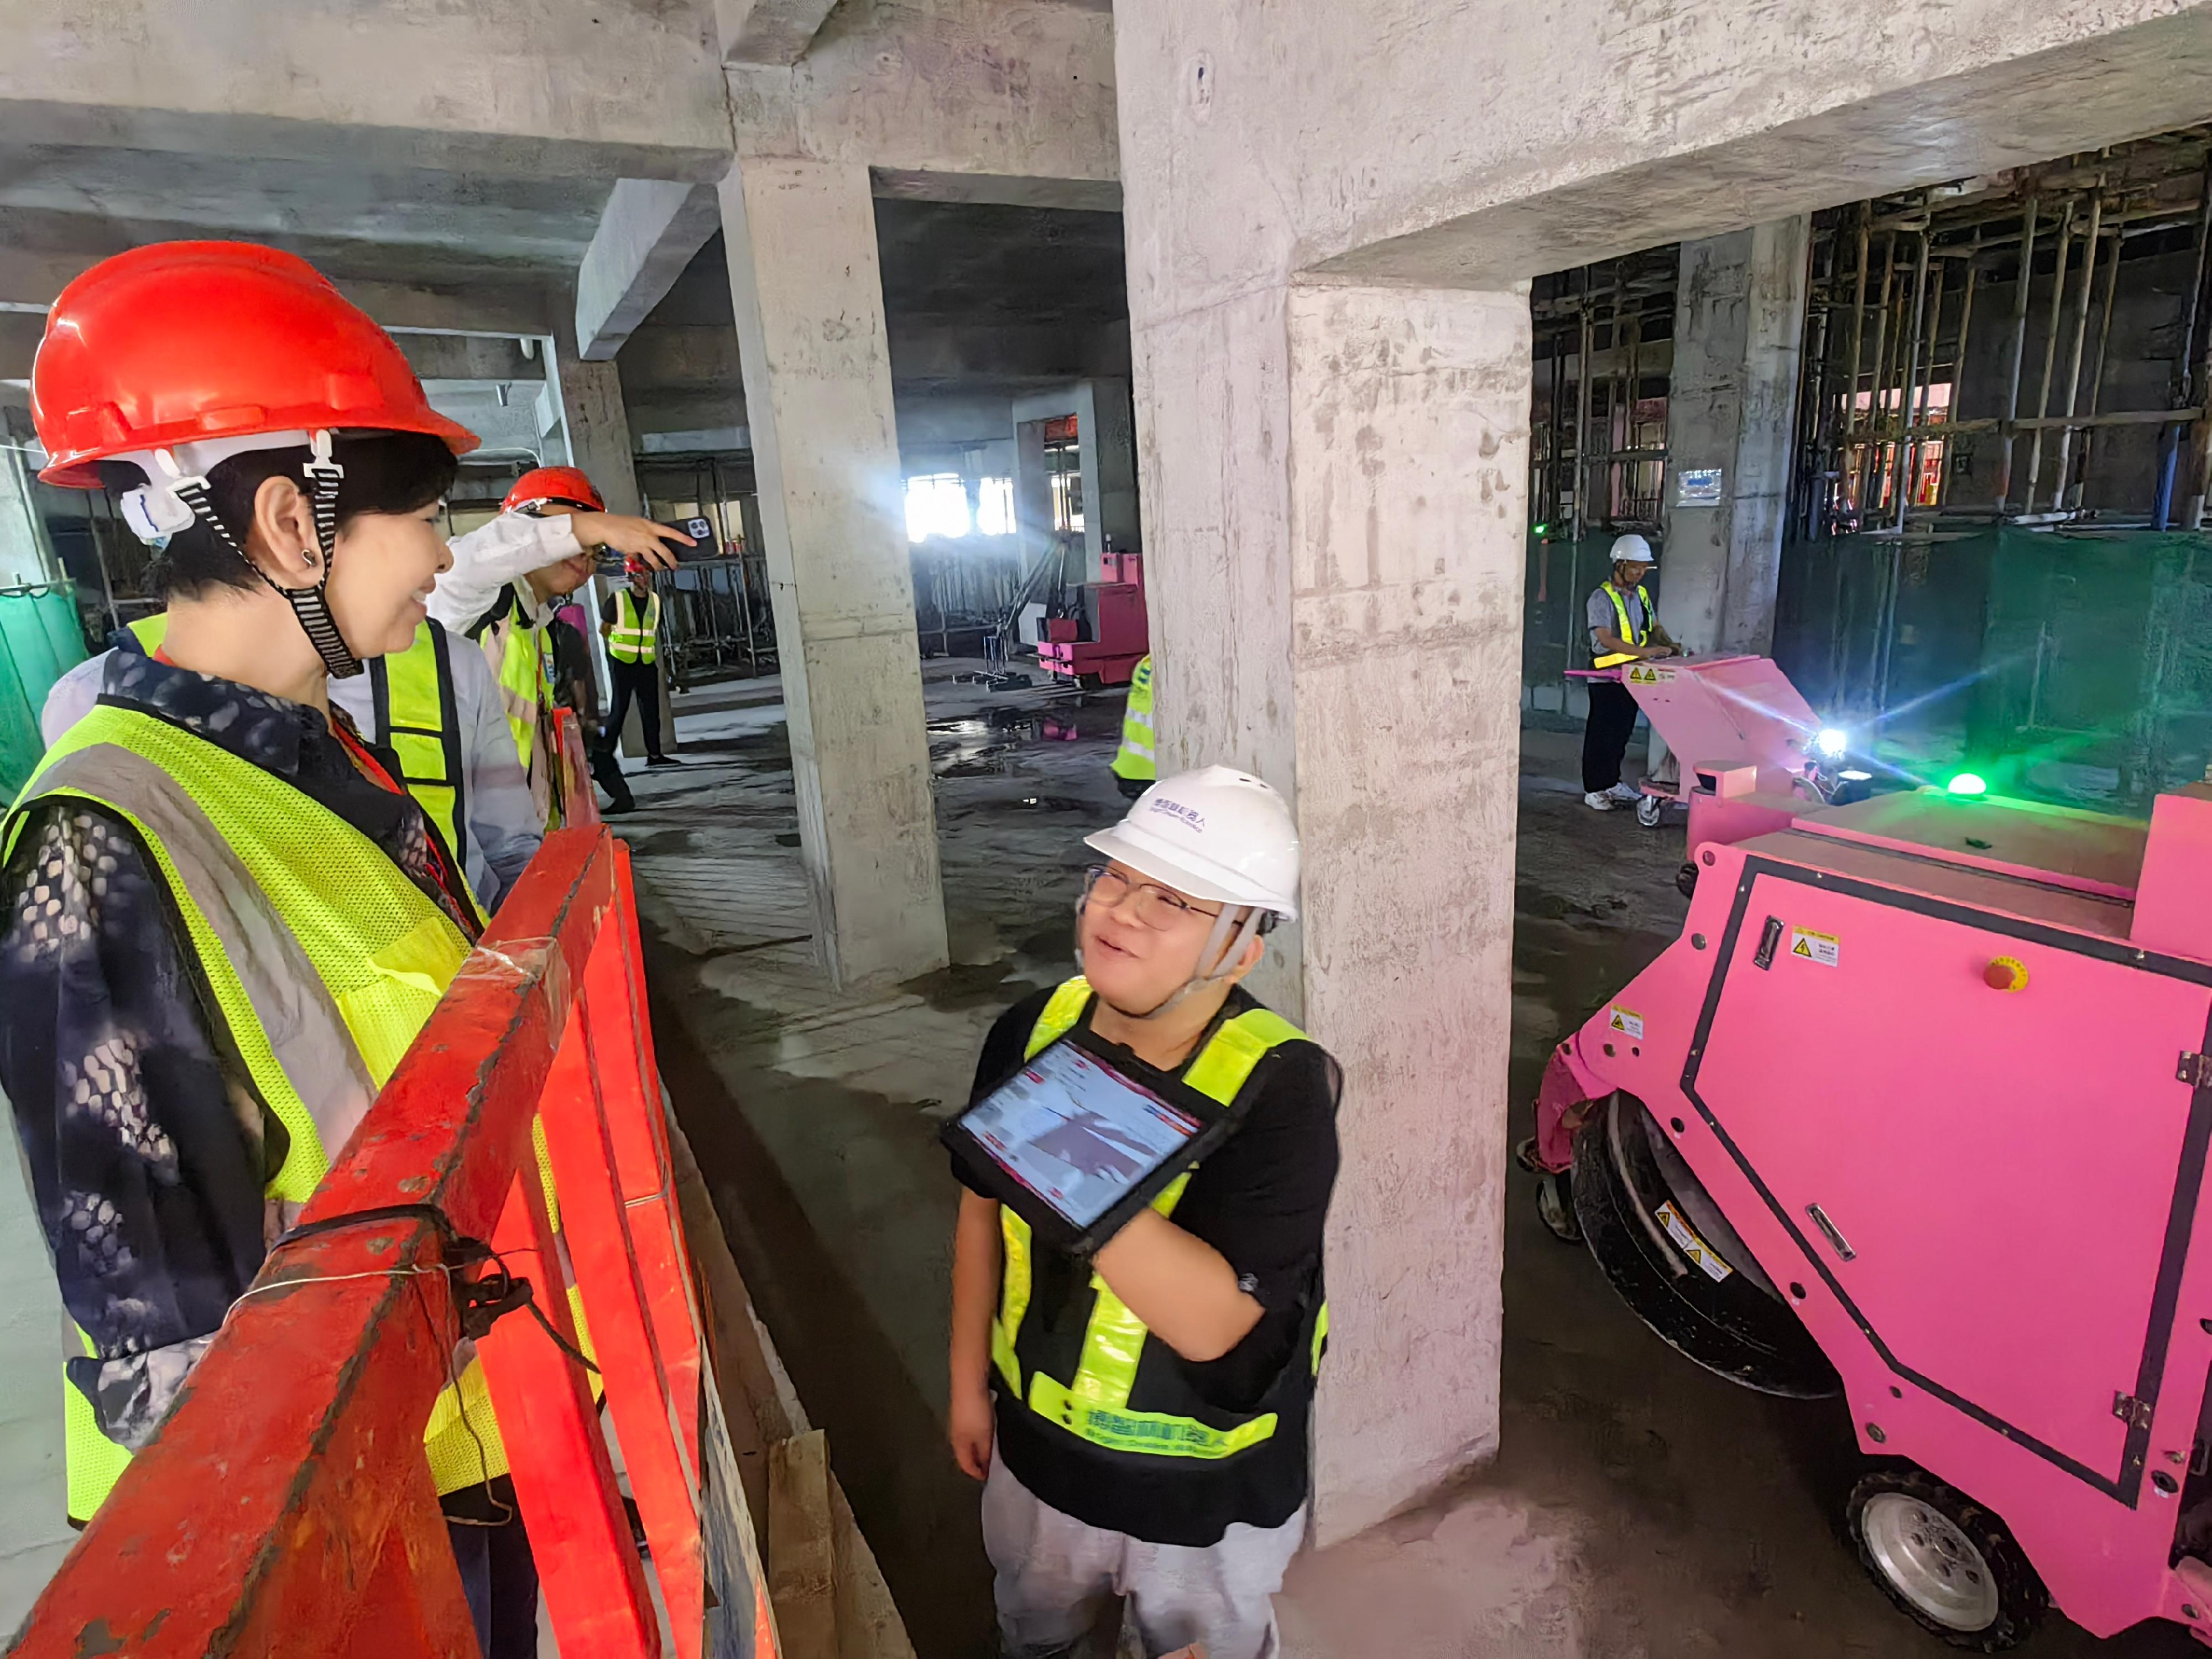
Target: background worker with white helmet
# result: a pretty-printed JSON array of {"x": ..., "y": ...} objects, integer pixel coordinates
[
  {"x": 1623, "y": 628},
  {"x": 1139, "y": 1416}
]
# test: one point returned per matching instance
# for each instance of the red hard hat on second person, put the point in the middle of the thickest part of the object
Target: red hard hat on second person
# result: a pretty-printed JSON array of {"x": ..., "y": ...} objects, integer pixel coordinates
[
  {"x": 563, "y": 485},
  {"x": 178, "y": 343}
]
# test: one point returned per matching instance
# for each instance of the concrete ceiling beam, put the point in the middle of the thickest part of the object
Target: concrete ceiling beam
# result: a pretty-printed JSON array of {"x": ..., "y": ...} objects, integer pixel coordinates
[
  {"x": 486, "y": 359},
  {"x": 577, "y": 87},
  {"x": 992, "y": 91},
  {"x": 31, "y": 278},
  {"x": 768, "y": 31},
  {"x": 647, "y": 234},
  {"x": 1087, "y": 195}
]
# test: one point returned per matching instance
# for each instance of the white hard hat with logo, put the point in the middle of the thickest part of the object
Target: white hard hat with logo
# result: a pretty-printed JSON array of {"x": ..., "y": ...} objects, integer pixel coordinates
[
  {"x": 1632, "y": 548},
  {"x": 1216, "y": 834}
]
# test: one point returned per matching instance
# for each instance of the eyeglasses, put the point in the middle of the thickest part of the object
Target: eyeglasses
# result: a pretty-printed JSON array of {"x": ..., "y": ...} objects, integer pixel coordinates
[{"x": 1149, "y": 906}]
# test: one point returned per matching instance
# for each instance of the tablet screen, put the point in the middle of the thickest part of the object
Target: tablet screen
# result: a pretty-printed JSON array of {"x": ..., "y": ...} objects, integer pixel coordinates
[{"x": 1075, "y": 1134}]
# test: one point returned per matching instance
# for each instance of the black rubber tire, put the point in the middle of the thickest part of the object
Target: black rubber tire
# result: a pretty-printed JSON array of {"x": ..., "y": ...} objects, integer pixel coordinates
[
  {"x": 2021, "y": 1599},
  {"x": 1685, "y": 880},
  {"x": 1735, "y": 1329}
]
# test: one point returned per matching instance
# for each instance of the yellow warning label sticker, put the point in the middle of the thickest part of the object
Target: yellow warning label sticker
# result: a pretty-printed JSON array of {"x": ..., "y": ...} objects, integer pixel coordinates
[
  {"x": 1650, "y": 676},
  {"x": 1701, "y": 1254},
  {"x": 1625, "y": 1021},
  {"x": 1825, "y": 949}
]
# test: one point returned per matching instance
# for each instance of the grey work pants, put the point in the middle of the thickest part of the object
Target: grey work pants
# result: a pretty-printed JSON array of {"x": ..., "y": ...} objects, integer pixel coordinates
[{"x": 1057, "y": 1579}]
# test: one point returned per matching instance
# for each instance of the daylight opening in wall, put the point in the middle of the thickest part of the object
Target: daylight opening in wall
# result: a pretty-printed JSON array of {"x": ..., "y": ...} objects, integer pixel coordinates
[{"x": 936, "y": 505}]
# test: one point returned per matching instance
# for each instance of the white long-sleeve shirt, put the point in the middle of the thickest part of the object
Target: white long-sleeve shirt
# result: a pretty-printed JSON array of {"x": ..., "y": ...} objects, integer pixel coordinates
[{"x": 496, "y": 556}]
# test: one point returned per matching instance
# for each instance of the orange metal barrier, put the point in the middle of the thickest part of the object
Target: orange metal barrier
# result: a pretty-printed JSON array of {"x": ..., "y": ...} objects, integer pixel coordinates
[{"x": 286, "y": 1506}]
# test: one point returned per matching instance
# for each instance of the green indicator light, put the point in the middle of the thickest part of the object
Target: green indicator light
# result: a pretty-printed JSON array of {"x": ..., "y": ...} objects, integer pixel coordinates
[
  {"x": 1967, "y": 783},
  {"x": 1539, "y": 530}
]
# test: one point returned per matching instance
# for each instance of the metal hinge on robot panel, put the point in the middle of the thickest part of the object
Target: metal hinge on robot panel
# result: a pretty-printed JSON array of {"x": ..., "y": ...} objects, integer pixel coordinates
[
  {"x": 2135, "y": 1413},
  {"x": 2194, "y": 1070}
]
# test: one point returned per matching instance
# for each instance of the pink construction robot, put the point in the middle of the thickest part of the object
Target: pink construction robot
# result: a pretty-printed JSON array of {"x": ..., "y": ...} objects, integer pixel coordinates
[{"x": 1979, "y": 1218}]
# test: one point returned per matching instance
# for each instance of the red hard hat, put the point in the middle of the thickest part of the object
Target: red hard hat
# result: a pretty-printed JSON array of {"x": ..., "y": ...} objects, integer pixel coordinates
[
  {"x": 181, "y": 342},
  {"x": 564, "y": 484}
]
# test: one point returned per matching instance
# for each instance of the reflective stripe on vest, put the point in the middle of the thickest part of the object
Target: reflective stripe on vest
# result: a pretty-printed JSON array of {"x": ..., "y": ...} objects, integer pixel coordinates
[
  {"x": 520, "y": 660},
  {"x": 635, "y": 639},
  {"x": 323, "y": 959},
  {"x": 1620, "y": 609},
  {"x": 413, "y": 714},
  {"x": 1136, "y": 760},
  {"x": 1094, "y": 1404}
]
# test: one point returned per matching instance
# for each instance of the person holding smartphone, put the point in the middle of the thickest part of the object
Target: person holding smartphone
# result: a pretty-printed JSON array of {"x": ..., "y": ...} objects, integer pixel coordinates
[{"x": 1139, "y": 1418}]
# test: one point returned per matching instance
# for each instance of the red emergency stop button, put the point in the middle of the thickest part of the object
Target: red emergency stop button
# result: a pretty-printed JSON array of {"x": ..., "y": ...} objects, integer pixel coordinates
[{"x": 2006, "y": 974}]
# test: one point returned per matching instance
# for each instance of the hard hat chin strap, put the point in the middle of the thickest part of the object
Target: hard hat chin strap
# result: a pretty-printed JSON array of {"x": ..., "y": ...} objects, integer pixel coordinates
[
  {"x": 311, "y": 605},
  {"x": 1225, "y": 948}
]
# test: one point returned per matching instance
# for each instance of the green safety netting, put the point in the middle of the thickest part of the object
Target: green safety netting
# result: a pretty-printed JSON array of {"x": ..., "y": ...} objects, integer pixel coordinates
[
  {"x": 2073, "y": 664},
  {"x": 39, "y": 634}
]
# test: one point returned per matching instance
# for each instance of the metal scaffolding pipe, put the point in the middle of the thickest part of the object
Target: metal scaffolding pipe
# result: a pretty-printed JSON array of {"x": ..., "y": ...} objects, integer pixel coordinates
[
  {"x": 1907, "y": 447},
  {"x": 2050, "y": 353},
  {"x": 2195, "y": 373},
  {"x": 1867, "y": 464},
  {"x": 1581, "y": 409},
  {"x": 2019, "y": 348},
  {"x": 1846, "y": 454},
  {"x": 2081, "y": 338},
  {"x": 1959, "y": 364},
  {"x": 2097, "y": 369}
]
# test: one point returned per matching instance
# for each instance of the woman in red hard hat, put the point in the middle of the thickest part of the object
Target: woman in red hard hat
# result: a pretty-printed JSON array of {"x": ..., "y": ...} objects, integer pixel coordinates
[{"x": 225, "y": 921}]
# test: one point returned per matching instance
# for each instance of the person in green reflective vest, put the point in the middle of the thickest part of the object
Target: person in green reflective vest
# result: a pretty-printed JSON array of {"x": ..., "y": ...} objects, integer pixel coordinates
[
  {"x": 224, "y": 919},
  {"x": 629, "y": 621},
  {"x": 1624, "y": 628},
  {"x": 1140, "y": 1419},
  {"x": 1135, "y": 764}
]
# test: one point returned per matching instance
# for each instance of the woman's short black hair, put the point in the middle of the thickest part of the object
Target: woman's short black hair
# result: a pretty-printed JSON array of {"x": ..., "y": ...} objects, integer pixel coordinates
[{"x": 385, "y": 472}]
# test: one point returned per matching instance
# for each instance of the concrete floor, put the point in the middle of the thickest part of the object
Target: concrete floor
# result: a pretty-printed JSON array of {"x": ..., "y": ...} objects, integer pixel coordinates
[{"x": 1638, "y": 1505}]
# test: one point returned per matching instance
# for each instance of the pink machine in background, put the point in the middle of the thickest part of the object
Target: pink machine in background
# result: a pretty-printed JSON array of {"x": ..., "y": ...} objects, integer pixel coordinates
[
  {"x": 1916, "y": 1110},
  {"x": 1105, "y": 644}
]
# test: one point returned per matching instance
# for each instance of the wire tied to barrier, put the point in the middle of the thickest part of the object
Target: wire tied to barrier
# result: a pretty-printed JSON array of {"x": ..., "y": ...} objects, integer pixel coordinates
[{"x": 480, "y": 1300}]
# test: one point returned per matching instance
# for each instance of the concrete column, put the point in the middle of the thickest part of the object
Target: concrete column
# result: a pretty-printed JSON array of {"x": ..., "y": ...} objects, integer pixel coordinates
[
  {"x": 1333, "y": 484},
  {"x": 1739, "y": 332},
  {"x": 596, "y": 422},
  {"x": 801, "y": 236},
  {"x": 1032, "y": 490},
  {"x": 1109, "y": 465}
]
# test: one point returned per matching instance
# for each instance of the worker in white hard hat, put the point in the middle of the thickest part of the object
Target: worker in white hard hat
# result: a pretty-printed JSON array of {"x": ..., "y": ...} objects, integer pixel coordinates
[
  {"x": 1623, "y": 628},
  {"x": 1139, "y": 1418}
]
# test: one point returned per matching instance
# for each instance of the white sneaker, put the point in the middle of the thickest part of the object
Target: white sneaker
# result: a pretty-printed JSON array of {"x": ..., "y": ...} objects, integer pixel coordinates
[
  {"x": 1622, "y": 791},
  {"x": 1598, "y": 802}
]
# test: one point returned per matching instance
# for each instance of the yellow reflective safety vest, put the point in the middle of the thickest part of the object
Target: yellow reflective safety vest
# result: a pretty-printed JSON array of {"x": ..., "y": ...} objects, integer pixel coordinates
[
  {"x": 1136, "y": 760},
  {"x": 412, "y": 697},
  {"x": 521, "y": 659},
  {"x": 634, "y": 638},
  {"x": 325, "y": 961},
  {"x": 414, "y": 713},
  {"x": 1120, "y": 1389},
  {"x": 1639, "y": 637}
]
